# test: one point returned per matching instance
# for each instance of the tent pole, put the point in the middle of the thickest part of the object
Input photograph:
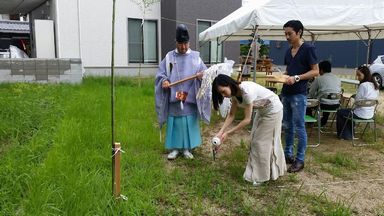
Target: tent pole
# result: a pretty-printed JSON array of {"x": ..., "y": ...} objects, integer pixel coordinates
[
  {"x": 369, "y": 46},
  {"x": 313, "y": 39},
  {"x": 239, "y": 77},
  {"x": 255, "y": 53},
  {"x": 369, "y": 43}
]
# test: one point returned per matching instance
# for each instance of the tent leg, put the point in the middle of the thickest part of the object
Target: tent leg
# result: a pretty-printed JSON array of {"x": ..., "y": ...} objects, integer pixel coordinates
[
  {"x": 369, "y": 47},
  {"x": 255, "y": 53}
]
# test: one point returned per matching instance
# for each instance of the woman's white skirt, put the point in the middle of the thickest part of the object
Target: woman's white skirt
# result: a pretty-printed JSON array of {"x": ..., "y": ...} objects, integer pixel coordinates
[{"x": 266, "y": 159}]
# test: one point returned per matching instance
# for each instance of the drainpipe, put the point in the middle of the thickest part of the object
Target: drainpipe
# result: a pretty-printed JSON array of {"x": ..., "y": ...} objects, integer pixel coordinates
[
  {"x": 217, "y": 50},
  {"x": 79, "y": 28}
]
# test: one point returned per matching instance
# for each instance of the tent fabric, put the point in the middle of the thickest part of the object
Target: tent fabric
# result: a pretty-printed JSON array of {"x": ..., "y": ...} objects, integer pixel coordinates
[{"x": 323, "y": 20}]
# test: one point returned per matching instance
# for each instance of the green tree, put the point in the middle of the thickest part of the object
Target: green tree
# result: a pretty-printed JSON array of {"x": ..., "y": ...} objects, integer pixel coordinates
[{"x": 263, "y": 50}]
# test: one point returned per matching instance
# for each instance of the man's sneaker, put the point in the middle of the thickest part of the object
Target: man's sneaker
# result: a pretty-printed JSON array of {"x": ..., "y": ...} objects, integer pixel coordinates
[
  {"x": 296, "y": 166},
  {"x": 173, "y": 155},
  {"x": 289, "y": 159},
  {"x": 187, "y": 154}
]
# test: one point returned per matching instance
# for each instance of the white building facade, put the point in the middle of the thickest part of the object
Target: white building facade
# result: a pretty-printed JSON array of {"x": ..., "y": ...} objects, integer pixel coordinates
[{"x": 83, "y": 29}]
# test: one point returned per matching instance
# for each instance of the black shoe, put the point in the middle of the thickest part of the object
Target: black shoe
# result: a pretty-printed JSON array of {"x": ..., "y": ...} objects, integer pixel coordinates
[
  {"x": 289, "y": 159},
  {"x": 296, "y": 166}
]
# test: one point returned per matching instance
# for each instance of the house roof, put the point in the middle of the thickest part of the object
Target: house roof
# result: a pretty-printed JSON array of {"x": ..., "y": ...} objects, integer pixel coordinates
[{"x": 11, "y": 26}]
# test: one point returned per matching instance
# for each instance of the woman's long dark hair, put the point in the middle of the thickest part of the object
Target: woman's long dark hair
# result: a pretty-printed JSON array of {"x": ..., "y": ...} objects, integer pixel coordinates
[
  {"x": 224, "y": 81},
  {"x": 367, "y": 75}
]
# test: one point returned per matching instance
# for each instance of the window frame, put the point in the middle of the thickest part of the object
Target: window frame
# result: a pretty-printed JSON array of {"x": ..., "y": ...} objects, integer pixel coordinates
[
  {"x": 220, "y": 47},
  {"x": 142, "y": 56}
]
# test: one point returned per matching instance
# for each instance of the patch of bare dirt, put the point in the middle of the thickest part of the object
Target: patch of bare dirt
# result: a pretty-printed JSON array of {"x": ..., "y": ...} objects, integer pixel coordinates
[
  {"x": 231, "y": 142},
  {"x": 380, "y": 107},
  {"x": 362, "y": 189}
]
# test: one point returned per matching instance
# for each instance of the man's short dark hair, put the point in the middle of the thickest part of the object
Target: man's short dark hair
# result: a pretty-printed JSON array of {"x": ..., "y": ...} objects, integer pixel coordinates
[
  {"x": 296, "y": 25},
  {"x": 325, "y": 66}
]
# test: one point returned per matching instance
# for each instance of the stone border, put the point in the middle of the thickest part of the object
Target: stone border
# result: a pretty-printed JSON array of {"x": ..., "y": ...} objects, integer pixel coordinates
[{"x": 41, "y": 70}]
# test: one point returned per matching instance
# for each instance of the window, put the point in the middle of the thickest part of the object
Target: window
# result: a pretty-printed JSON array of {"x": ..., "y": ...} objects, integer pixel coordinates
[
  {"x": 142, "y": 42},
  {"x": 209, "y": 51}
]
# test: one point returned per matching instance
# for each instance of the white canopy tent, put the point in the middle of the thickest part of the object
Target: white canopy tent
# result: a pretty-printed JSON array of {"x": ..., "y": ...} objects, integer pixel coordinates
[{"x": 326, "y": 20}]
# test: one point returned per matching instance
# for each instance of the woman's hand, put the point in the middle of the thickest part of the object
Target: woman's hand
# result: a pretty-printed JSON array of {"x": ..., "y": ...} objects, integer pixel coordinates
[
  {"x": 222, "y": 136},
  {"x": 219, "y": 135}
]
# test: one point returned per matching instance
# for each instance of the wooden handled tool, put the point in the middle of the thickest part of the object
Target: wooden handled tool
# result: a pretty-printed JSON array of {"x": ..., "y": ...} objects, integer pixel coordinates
[{"x": 183, "y": 80}]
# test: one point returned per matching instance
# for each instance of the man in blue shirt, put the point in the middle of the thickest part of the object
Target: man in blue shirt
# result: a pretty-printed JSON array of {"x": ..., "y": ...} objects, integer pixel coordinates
[{"x": 301, "y": 61}]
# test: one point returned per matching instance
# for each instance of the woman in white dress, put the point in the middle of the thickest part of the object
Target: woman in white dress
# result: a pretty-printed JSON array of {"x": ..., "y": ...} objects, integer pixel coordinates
[
  {"x": 368, "y": 89},
  {"x": 266, "y": 157}
]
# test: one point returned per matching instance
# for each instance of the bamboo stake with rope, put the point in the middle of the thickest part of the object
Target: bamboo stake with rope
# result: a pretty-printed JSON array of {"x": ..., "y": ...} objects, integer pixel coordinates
[
  {"x": 116, "y": 157},
  {"x": 115, "y": 146}
]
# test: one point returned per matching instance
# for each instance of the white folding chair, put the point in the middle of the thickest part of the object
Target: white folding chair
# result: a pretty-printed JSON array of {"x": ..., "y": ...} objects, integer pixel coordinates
[
  {"x": 314, "y": 103},
  {"x": 350, "y": 117},
  {"x": 330, "y": 96}
]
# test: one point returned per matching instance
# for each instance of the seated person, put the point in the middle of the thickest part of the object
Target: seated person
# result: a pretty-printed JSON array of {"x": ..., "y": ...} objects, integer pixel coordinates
[
  {"x": 309, "y": 84},
  {"x": 368, "y": 89},
  {"x": 325, "y": 83}
]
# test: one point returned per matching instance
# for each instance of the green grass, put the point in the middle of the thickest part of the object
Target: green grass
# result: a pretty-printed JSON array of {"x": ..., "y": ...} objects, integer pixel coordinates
[
  {"x": 55, "y": 159},
  {"x": 56, "y": 152},
  {"x": 321, "y": 205},
  {"x": 338, "y": 165}
]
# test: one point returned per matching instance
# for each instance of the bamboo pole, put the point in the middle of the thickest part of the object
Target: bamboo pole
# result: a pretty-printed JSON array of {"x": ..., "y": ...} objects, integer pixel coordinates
[{"x": 113, "y": 102}]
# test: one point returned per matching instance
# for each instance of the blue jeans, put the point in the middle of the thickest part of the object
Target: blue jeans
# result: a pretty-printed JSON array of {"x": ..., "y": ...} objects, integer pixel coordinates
[
  {"x": 293, "y": 121},
  {"x": 341, "y": 118}
]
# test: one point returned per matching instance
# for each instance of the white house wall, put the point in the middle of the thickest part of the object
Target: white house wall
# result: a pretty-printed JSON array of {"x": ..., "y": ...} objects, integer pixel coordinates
[
  {"x": 128, "y": 9},
  {"x": 84, "y": 30},
  {"x": 44, "y": 38},
  {"x": 67, "y": 29},
  {"x": 95, "y": 22}
]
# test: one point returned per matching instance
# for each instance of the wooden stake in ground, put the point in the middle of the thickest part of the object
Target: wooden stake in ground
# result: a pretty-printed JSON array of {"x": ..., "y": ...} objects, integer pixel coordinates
[{"x": 116, "y": 158}]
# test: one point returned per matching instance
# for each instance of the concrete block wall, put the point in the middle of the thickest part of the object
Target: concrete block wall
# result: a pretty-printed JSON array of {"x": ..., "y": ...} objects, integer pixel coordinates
[{"x": 41, "y": 70}]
